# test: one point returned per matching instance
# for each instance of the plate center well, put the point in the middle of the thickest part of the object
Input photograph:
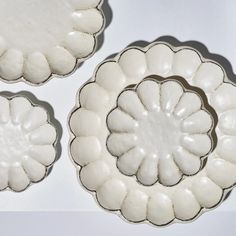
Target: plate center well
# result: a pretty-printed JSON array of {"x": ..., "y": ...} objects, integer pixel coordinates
[
  {"x": 13, "y": 143},
  {"x": 34, "y": 25}
]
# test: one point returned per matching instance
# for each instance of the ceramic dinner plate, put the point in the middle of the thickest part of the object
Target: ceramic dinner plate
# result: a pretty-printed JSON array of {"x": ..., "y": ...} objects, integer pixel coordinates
[
  {"x": 28, "y": 142},
  {"x": 42, "y": 38},
  {"x": 153, "y": 134}
]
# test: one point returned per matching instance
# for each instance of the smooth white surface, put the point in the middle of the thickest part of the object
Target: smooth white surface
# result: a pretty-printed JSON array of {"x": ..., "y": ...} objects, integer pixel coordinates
[
  {"x": 61, "y": 190},
  {"x": 37, "y": 36},
  {"x": 97, "y": 223}
]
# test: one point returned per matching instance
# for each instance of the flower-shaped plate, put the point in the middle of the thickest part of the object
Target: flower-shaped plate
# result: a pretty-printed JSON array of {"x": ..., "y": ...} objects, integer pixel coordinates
[
  {"x": 28, "y": 142},
  {"x": 153, "y": 134},
  {"x": 42, "y": 38}
]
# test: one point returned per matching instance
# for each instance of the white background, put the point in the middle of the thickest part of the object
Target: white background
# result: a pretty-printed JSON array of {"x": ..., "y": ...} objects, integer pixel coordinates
[{"x": 197, "y": 23}]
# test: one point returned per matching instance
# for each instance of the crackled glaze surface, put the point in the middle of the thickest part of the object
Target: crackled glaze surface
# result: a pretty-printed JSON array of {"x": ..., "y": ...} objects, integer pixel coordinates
[
  {"x": 181, "y": 128},
  {"x": 157, "y": 134},
  {"x": 40, "y": 38},
  {"x": 27, "y": 143}
]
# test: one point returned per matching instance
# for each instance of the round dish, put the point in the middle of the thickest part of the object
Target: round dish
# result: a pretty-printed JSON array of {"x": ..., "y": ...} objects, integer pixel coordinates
[
  {"x": 153, "y": 133},
  {"x": 27, "y": 142},
  {"x": 46, "y": 38}
]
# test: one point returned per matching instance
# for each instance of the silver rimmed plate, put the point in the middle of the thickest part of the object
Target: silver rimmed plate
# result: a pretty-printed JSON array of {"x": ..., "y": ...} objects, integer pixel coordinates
[
  {"x": 28, "y": 142},
  {"x": 42, "y": 38},
  {"x": 153, "y": 134}
]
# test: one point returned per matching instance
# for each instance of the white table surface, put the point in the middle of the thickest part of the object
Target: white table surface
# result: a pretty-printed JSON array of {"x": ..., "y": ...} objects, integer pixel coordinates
[{"x": 198, "y": 23}]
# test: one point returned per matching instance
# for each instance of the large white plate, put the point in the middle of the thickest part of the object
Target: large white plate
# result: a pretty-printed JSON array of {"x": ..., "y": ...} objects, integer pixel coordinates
[
  {"x": 156, "y": 149},
  {"x": 42, "y": 38}
]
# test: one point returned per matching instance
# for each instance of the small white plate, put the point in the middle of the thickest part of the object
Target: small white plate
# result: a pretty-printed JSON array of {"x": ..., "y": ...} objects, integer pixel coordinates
[
  {"x": 153, "y": 134},
  {"x": 28, "y": 142},
  {"x": 42, "y": 38}
]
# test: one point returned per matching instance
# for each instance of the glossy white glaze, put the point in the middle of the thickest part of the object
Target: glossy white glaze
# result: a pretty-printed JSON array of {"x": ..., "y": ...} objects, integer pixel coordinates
[
  {"x": 42, "y": 38},
  {"x": 150, "y": 137},
  {"x": 123, "y": 111},
  {"x": 27, "y": 143}
]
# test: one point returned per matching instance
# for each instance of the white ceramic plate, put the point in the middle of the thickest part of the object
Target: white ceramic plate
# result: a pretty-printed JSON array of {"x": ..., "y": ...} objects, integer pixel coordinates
[
  {"x": 42, "y": 38},
  {"x": 153, "y": 134},
  {"x": 28, "y": 142}
]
